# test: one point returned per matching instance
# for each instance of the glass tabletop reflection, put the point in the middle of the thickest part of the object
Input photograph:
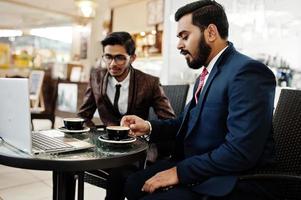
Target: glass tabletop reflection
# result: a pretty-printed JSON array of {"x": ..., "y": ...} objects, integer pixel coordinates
[{"x": 102, "y": 150}]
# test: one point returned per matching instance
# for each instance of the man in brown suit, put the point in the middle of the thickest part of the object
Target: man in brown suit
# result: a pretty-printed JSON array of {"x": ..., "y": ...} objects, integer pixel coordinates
[
  {"x": 138, "y": 91},
  {"x": 119, "y": 90}
]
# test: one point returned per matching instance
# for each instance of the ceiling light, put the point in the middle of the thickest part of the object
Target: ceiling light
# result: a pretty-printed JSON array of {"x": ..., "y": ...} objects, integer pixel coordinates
[
  {"x": 10, "y": 33},
  {"x": 86, "y": 7}
]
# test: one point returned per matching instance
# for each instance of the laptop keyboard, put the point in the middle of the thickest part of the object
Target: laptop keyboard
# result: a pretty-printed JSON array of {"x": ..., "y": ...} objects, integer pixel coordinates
[{"x": 45, "y": 143}]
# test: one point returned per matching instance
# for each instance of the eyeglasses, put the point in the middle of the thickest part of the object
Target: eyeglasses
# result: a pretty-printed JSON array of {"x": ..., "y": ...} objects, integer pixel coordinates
[{"x": 119, "y": 58}]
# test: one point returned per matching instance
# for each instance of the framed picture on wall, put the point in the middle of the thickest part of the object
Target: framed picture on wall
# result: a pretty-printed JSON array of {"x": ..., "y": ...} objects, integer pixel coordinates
[
  {"x": 155, "y": 12},
  {"x": 67, "y": 97},
  {"x": 36, "y": 78},
  {"x": 74, "y": 72}
]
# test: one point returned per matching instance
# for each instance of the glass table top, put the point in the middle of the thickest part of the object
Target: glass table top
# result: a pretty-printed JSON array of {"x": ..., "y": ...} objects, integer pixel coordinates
[{"x": 102, "y": 150}]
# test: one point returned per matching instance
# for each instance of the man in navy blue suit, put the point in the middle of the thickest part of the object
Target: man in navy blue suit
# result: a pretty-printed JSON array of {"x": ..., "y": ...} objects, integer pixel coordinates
[{"x": 226, "y": 128}]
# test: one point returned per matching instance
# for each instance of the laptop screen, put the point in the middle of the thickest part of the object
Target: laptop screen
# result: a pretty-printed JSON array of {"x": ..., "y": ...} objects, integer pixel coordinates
[{"x": 15, "y": 124}]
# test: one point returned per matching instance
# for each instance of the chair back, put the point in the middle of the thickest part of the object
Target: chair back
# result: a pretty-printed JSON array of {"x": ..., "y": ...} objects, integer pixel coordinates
[
  {"x": 176, "y": 95},
  {"x": 50, "y": 93},
  {"x": 285, "y": 174},
  {"x": 49, "y": 90},
  {"x": 287, "y": 131}
]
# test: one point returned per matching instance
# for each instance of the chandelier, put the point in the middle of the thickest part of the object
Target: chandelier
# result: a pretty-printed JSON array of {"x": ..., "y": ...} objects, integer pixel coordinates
[{"x": 86, "y": 7}]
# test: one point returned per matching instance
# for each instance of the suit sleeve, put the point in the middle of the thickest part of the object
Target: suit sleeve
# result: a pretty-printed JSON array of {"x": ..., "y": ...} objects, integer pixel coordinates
[
  {"x": 249, "y": 124},
  {"x": 88, "y": 107},
  {"x": 161, "y": 104},
  {"x": 166, "y": 130}
]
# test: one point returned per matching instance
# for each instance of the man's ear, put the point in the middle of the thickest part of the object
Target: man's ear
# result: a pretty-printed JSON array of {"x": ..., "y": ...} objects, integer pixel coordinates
[
  {"x": 212, "y": 32},
  {"x": 133, "y": 58}
]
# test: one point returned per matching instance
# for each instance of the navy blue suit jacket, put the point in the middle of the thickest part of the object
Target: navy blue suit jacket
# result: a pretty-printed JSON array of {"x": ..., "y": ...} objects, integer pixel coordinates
[{"x": 229, "y": 131}]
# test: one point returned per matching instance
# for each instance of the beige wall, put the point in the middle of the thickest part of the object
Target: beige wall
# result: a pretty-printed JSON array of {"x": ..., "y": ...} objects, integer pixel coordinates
[{"x": 131, "y": 17}]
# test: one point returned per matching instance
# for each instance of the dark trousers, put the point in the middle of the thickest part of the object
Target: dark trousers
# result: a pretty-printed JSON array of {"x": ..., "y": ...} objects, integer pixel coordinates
[
  {"x": 244, "y": 190},
  {"x": 116, "y": 181}
]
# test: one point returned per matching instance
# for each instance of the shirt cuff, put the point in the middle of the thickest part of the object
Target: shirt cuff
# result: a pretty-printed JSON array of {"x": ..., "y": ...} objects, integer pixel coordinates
[
  {"x": 150, "y": 127},
  {"x": 146, "y": 136}
]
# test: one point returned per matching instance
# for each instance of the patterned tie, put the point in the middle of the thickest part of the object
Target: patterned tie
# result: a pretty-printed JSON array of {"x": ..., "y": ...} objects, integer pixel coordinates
[
  {"x": 201, "y": 84},
  {"x": 116, "y": 98}
]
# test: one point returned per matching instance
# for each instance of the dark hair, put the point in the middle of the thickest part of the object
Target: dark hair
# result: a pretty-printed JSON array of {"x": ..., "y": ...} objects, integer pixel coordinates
[
  {"x": 120, "y": 38},
  {"x": 205, "y": 12}
]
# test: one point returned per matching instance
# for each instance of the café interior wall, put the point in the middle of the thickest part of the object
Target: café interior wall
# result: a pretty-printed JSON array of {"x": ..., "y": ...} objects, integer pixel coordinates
[
  {"x": 93, "y": 32},
  {"x": 80, "y": 35},
  {"x": 98, "y": 31},
  {"x": 282, "y": 46},
  {"x": 135, "y": 13},
  {"x": 175, "y": 70},
  {"x": 123, "y": 14},
  {"x": 256, "y": 45}
]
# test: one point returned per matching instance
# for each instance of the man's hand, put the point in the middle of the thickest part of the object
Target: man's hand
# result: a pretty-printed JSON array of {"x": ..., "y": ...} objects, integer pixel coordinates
[
  {"x": 162, "y": 179},
  {"x": 137, "y": 125}
]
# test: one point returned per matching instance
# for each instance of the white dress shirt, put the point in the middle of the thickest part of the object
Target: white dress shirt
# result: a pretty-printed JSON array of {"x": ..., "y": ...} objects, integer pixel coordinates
[{"x": 124, "y": 92}]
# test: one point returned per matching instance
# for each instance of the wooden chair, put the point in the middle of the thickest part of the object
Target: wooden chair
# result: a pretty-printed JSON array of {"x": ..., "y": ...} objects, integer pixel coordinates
[{"x": 287, "y": 135}]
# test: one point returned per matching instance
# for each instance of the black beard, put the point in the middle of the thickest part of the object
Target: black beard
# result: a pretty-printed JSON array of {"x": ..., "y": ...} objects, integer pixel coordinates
[{"x": 203, "y": 54}]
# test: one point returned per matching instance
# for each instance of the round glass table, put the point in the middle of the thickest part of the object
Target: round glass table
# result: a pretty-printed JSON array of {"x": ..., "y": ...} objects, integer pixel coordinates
[{"x": 103, "y": 155}]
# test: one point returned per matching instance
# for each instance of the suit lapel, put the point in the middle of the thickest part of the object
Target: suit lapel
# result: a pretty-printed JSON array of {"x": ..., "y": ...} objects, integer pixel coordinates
[
  {"x": 194, "y": 118},
  {"x": 215, "y": 70},
  {"x": 202, "y": 98},
  {"x": 103, "y": 85},
  {"x": 106, "y": 99},
  {"x": 132, "y": 89},
  {"x": 189, "y": 106}
]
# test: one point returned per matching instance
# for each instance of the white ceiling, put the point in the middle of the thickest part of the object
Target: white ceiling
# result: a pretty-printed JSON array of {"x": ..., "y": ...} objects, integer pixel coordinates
[
  {"x": 36, "y": 13},
  {"x": 16, "y": 14}
]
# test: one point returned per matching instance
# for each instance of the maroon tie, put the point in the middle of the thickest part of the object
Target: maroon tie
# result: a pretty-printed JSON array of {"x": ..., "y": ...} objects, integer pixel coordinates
[{"x": 201, "y": 84}]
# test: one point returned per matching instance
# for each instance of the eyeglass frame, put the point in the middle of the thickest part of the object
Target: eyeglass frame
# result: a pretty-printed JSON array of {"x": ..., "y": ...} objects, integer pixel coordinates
[{"x": 115, "y": 58}]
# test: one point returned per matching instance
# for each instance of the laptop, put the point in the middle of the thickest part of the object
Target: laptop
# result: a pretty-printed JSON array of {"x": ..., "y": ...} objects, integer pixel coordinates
[{"x": 15, "y": 123}]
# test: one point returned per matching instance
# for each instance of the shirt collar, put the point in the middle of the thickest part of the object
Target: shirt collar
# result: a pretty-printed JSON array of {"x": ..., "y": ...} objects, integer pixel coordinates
[
  {"x": 125, "y": 82},
  {"x": 213, "y": 61}
]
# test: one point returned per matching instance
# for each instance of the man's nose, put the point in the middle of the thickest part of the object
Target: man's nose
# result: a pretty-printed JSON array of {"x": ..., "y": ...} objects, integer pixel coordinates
[
  {"x": 113, "y": 62},
  {"x": 180, "y": 45}
]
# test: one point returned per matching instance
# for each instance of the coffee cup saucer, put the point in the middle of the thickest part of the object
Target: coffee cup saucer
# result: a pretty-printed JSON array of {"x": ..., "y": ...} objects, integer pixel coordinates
[
  {"x": 105, "y": 138},
  {"x": 65, "y": 130}
]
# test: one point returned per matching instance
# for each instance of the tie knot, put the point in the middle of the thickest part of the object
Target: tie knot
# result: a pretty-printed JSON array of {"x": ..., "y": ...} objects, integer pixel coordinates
[{"x": 118, "y": 86}]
